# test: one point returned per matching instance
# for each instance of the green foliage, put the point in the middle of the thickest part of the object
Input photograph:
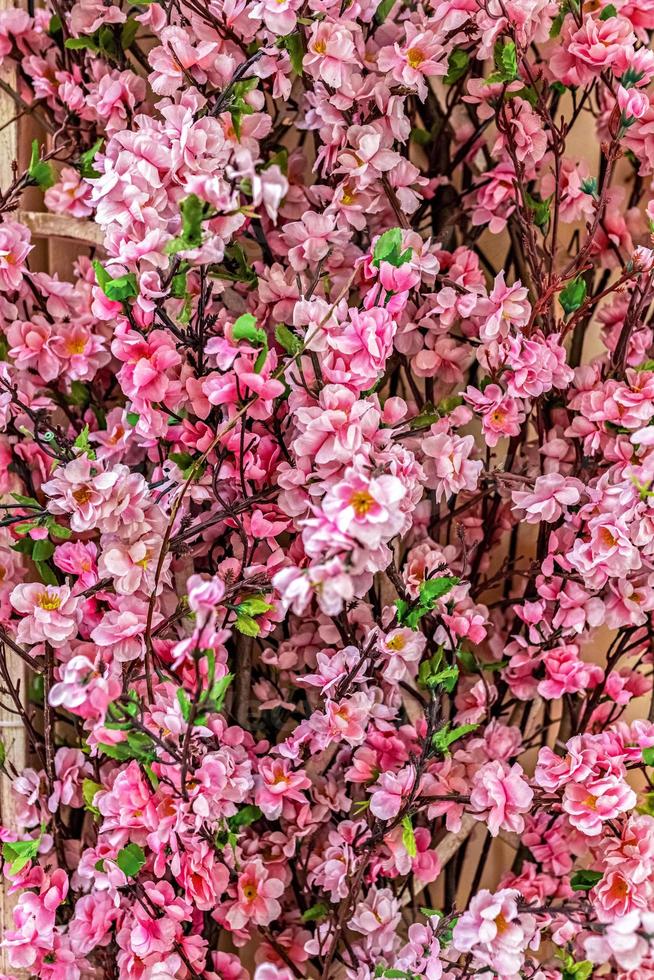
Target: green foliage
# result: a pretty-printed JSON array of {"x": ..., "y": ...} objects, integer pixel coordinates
[
  {"x": 238, "y": 107},
  {"x": 457, "y": 66},
  {"x": 247, "y": 610},
  {"x": 506, "y": 62},
  {"x": 648, "y": 756},
  {"x": 442, "y": 739},
  {"x": 584, "y": 880},
  {"x": 131, "y": 859},
  {"x": 287, "y": 339},
  {"x": 89, "y": 790},
  {"x": 193, "y": 212},
  {"x": 83, "y": 445},
  {"x": 431, "y": 590},
  {"x": 245, "y": 328},
  {"x": 86, "y": 160},
  {"x": 40, "y": 172},
  {"x": 383, "y": 10},
  {"x": 137, "y": 745},
  {"x": 295, "y": 48},
  {"x": 409, "y": 837},
  {"x": 573, "y": 295},
  {"x": 388, "y": 248},
  {"x": 117, "y": 290},
  {"x": 315, "y": 913},
  {"x": 19, "y": 853},
  {"x": 540, "y": 210}
]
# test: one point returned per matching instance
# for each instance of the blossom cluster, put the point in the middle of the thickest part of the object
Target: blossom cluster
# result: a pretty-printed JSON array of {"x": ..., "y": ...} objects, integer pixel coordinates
[{"x": 325, "y": 479}]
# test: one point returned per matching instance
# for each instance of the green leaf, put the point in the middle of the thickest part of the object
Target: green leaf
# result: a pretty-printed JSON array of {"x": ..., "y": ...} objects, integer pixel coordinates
[
  {"x": 247, "y": 625},
  {"x": 193, "y": 212},
  {"x": 581, "y": 970},
  {"x": 130, "y": 860},
  {"x": 42, "y": 550},
  {"x": 573, "y": 295},
  {"x": 446, "y": 678},
  {"x": 89, "y": 790},
  {"x": 506, "y": 62},
  {"x": 41, "y": 172},
  {"x": 441, "y": 740},
  {"x": 583, "y": 881},
  {"x": 383, "y": 10},
  {"x": 315, "y": 913},
  {"x": 246, "y": 815},
  {"x": 287, "y": 339},
  {"x": 408, "y": 837},
  {"x": 245, "y": 328},
  {"x": 540, "y": 210},
  {"x": 85, "y": 162},
  {"x": 254, "y": 606},
  {"x": 388, "y": 248},
  {"x": 219, "y": 691},
  {"x": 433, "y": 589},
  {"x": 117, "y": 290},
  {"x": 45, "y": 573},
  {"x": 19, "y": 853},
  {"x": 80, "y": 43},
  {"x": 293, "y": 44},
  {"x": 609, "y": 11},
  {"x": 26, "y": 501},
  {"x": 138, "y": 746},
  {"x": 83, "y": 444},
  {"x": 128, "y": 33},
  {"x": 457, "y": 66},
  {"x": 648, "y": 756},
  {"x": 132, "y": 418},
  {"x": 184, "y": 703}
]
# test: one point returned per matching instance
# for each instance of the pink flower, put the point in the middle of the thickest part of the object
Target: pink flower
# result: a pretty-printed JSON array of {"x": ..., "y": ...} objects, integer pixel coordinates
[
  {"x": 499, "y": 796},
  {"x": 14, "y": 249},
  {"x": 420, "y": 56},
  {"x": 50, "y": 613},
  {"x": 633, "y": 103},
  {"x": 566, "y": 673},
  {"x": 70, "y": 195},
  {"x": 331, "y": 54},
  {"x": 390, "y": 791},
  {"x": 277, "y": 783},
  {"x": 551, "y": 494},
  {"x": 495, "y": 931},
  {"x": 506, "y": 306},
  {"x": 32, "y": 346},
  {"x": 257, "y": 894},
  {"x": 365, "y": 157},
  {"x": 590, "y": 803},
  {"x": 448, "y": 466},
  {"x": 366, "y": 508},
  {"x": 309, "y": 240}
]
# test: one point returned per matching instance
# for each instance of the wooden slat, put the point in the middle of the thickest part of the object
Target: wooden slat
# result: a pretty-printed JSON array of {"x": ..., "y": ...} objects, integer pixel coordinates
[
  {"x": 11, "y": 729},
  {"x": 45, "y": 225}
]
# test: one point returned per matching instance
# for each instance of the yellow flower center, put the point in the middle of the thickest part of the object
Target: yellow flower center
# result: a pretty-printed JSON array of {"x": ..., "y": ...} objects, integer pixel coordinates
[
  {"x": 76, "y": 346},
  {"x": 48, "y": 601},
  {"x": 397, "y": 643},
  {"x": 361, "y": 502},
  {"x": 249, "y": 892},
  {"x": 82, "y": 495},
  {"x": 415, "y": 57},
  {"x": 501, "y": 924},
  {"x": 320, "y": 47}
]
